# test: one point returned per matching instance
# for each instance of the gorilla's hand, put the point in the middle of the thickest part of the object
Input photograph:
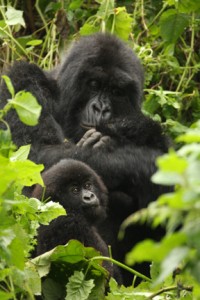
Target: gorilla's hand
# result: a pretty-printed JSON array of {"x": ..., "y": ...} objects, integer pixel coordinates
[{"x": 94, "y": 139}]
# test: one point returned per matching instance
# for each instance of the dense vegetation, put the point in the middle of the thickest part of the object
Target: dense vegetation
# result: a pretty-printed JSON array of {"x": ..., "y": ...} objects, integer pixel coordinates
[{"x": 166, "y": 37}]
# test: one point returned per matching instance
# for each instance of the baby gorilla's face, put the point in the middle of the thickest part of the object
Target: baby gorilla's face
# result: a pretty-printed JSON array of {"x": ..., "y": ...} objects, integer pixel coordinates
[
  {"x": 77, "y": 188},
  {"x": 82, "y": 194}
]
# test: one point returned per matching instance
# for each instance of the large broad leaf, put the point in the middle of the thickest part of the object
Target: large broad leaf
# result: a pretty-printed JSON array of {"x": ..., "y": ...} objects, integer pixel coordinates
[
  {"x": 78, "y": 287},
  {"x": 59, "y": 266},
  {"x": 27, "y": 108},
  {"x": 174, "y": 258},
  {"x": 49, "y": 211},
  {"x": 157, "y": 251},
  {"x": 88, "y": 28},
  {"x": 75, "y": 4},
  {"x": 105, "y": 8},
  {"x": 28, "y": 173},
  {"x": 172, "y": 25},
  {"x": 5, "y": 295},
  {"x": 3, "y": 29},
  {"x": 21, "y": 154},
  {"x": 14, "y": 17},
  {"x": 123, "y": 23},
  {"x": 189, "y": 6}
]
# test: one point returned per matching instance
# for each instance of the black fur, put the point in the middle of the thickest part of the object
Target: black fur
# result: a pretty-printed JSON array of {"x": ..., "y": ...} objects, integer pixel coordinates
[
  {"x": 84, "y": 196},
  {"x": 96, "y": 95},
  {"x": 29, "y": 77}
]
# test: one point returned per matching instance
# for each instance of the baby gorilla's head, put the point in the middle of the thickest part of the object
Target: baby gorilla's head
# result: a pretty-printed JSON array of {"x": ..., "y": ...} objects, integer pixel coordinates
[{"x": 77, "y": 187}]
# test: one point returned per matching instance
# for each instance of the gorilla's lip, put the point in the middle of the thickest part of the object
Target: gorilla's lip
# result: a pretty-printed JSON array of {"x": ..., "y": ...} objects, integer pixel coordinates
[
  {"x": 89, "y": 205},
  {"x": 87, "y": 126},
  {"x": 91, "y": 126}
]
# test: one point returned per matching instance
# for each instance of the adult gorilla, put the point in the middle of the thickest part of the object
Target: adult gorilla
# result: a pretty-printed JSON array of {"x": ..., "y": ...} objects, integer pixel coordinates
[
  {"x": 101, "y": 84},
  {"x": 99, "y": 111}
]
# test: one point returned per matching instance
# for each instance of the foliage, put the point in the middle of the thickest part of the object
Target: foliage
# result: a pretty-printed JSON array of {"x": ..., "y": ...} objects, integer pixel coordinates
[
  {"x": 165, "y": 35},
  {"x": 178, "y": 212},
  {"x": 20, "y": 276},
  {"x": 70, "y": 269}
]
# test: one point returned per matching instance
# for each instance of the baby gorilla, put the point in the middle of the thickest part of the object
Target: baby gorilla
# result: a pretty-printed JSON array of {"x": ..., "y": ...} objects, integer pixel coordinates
[{"x": 84, "y": 196}]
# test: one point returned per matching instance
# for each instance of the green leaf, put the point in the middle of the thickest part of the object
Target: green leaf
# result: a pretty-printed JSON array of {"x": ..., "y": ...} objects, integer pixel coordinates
[
  {"x": 105, "y": 9},
  {"x": 88, "y": 29},
  {"x": 74, "y": 252},
  {"x": 122, "y": 23},
  {"x": 21, "y": 154},
  {"x": 17, "y": 251},
  {"x": 172, "y": 163},
  {"x": 189, "y": 6},
  {"x": 28, "y": 173},
  {"x": 27, "y": 108},
  {"x": 191, "y": 136},
  {"x": 34, "y": 43},
  {"x": 157, "y": 251},
  {"x": 9, "y": 85},
  {"x": 78, "y": 287},
  {"x": 5, "y": 296},
  {"x": 75, "y": 4},
  {"x": 6, "y": 144},
  {"x": 6, "y": 237},
  {"x": 167, "y": 178},
  {"x": 14, "y": 17},
  {"x": 172, "y": 25},
  {"x": 7, "y": 174},
  {"x": 33, "y": 278},
  {"x": 50, "y": 211},
  {"x": 172, "y": 261},
  {"x": 3, "y": 29},
  {"x": 52, "y": 290}
]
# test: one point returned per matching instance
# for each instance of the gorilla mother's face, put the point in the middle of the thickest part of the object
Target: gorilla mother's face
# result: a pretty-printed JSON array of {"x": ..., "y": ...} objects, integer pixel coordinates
[
  {"x": 109, "y": 95},
  {"x": 100, "y": 80}
]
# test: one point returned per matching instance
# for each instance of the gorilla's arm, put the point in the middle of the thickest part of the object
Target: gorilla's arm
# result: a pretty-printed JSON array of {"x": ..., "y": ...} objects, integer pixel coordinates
[
  {"x": 122, "y": 152},
  {"x": 128, "y": 163},
  {"x": 65, "y": 228}
]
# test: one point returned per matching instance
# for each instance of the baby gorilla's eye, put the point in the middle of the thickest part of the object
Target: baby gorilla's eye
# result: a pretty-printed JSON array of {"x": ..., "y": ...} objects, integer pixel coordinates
[
  {"x": 75, "y": 189},
  {"x": 87, "y": 185}
]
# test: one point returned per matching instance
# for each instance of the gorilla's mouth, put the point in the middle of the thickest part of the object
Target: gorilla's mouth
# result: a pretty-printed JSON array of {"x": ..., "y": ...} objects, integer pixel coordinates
[{"x": 87, "y": 126}]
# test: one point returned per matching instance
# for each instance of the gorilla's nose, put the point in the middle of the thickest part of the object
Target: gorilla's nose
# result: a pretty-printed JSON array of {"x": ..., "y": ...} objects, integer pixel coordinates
[
  {"x": 102, "y": 109},
  {"x": 90, "y": 198}
]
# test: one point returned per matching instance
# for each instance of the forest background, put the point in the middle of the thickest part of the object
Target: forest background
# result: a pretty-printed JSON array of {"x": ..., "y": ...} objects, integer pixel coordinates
[{"x": 166, "y": 37}]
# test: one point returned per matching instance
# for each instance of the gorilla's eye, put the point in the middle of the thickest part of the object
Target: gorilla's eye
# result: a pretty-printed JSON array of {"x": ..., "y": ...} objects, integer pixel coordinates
[
  {"x": 116, "y": 91},
  {"x": 88, "y": 186},
  {"x": 94, "y": 84},
  {"x": 75, "y": 189}
]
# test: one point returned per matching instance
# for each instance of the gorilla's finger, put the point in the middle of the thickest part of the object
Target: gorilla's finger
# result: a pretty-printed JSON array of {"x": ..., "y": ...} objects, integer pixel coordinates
[
  {"x": 85, "y": 137},
  {"x": 89, "y": 133},
  {"x": 105, "y": 140},
  {"x": 93, "y": 139}
]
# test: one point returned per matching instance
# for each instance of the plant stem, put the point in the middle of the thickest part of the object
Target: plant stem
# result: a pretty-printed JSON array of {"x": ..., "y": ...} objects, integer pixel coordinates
[
  {"x": 41, "y": 15},
  {"x": 134, "y": 272},
  {"x": 142, "y": 16},
  {"x": 170, "y": 288},
  {"x": 190, "y": 54}
]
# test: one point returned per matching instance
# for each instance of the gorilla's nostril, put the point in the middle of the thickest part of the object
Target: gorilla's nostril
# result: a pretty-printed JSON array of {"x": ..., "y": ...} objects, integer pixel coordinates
[{"x": 96, "y": 108}]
